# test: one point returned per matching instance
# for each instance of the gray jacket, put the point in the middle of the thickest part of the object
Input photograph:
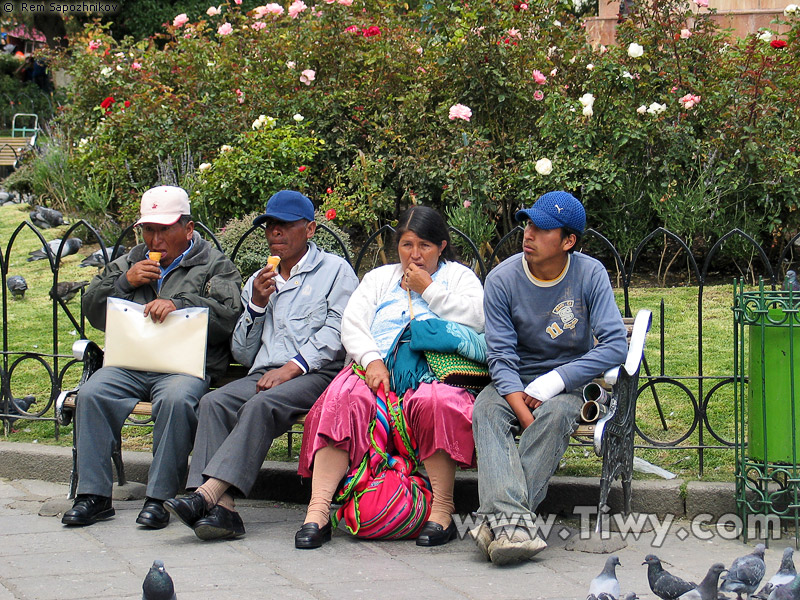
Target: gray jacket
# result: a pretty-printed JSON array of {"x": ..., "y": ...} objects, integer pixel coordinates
[
  {"x": 304, "y": 318},
  {"x": 205, "y": 277}
]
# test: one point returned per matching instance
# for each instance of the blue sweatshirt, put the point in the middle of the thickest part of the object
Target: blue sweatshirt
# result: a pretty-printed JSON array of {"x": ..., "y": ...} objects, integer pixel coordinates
[{"x": 534, "y": 326}]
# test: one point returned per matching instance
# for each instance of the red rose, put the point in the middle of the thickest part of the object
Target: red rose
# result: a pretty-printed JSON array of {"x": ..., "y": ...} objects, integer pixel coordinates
[
  {"x": 107, "y": 102},
  {"x": 778, "y": 44},
  {"x": 329, "y": 191},
  {"x": 371, "y": 31},
  {"x": 330, "y": 214},
  {"x": 301, "y": 169},
  {"x": 127, "y": 103}
]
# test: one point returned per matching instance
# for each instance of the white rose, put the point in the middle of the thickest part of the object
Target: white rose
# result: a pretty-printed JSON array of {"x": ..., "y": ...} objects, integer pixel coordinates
[
  {"x": 791, "y": 9},
  {"x": 642, "y": 109},
  {"x": 225, "y": 148},
  {"x": 765, "y": 36},
  {"x": 587, "y": 111},
  {"x": 204, "y": 167},
  {"x": 635, "y": 50},
  {"x": 544, "y": 166},
  {"x": 589, "y": 67},
  {"x": 557, "y": 23},
  {"x": 627, "y": 75},
  {"x": 298, "y": 117},
  {"x": 587, "y": 99},
  {"x": 656, "y": 109}
]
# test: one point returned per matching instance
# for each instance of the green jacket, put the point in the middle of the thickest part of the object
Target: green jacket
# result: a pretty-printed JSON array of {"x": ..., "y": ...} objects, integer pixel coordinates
[{"x": 205, "y": 277}]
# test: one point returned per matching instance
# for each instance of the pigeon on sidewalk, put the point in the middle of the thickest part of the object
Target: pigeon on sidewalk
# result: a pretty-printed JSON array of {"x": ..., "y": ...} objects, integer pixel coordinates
[
  {"x": 66, "y": 290},
  {"x": 787, "y": 591},
  {"x": 785, "y": 575},
  {"x": 17, "y": 285},
  {"x": 664, "y": 584},
  {"x": 157, "y": 584},
  {"x": 606, "y": 582},
  {"x": 71, "y": 246},
  {"x": 708, "y": 588},
  {"x": 745, "y": 573}
]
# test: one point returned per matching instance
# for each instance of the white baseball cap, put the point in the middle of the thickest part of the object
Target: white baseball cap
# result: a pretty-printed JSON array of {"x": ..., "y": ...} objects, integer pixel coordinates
[{"x": 164, "y": 205}]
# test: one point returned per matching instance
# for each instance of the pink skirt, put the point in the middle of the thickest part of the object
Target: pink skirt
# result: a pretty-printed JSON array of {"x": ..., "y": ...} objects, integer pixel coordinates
[{"x": 439, "y": 415}]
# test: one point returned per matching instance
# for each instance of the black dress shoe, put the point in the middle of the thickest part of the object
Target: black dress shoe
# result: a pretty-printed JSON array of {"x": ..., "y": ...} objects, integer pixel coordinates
[
  {"x": 220, "y": 524},
  {"x": 311, "y": 535},
  {"x": 88, "y": 509},
  {"x": 433, "y": 534},
  {"x": 189, "y": 509},
  {"x": 153, "y": 514}
]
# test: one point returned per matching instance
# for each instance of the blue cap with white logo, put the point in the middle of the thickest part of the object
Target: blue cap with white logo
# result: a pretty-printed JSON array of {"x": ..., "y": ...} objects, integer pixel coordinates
[{"x": 556, "y": 209}]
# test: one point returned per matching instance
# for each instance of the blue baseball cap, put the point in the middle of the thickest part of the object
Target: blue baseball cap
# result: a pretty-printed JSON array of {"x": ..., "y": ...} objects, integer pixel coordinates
[
  {"x": 287, "y": 206},
  {"x": 556, "y": 209}
]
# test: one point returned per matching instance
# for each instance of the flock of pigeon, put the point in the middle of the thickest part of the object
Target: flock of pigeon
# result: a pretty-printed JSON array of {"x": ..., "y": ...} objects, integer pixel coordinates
[
  {"x": 44, "y": 218},
  {"x": 742, "y": 578}
]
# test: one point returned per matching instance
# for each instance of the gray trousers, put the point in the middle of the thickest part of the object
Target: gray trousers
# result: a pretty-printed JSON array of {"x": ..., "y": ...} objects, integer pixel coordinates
[
  {"x": 237, "y": 425},
  {"x": 513, "y": 480},
  {"x": 106, "y": 400}
]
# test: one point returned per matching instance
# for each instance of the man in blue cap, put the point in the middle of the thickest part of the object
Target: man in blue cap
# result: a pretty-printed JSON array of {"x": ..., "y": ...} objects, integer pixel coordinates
[
  {"x": 545, "y": 307},
  {"x": 289, "y": 335}
]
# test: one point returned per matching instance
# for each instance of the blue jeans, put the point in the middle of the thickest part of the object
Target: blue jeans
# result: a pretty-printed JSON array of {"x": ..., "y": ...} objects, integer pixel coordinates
[
  {"x": 106, "y": 400},
  {"x": 513, "y": 480}
]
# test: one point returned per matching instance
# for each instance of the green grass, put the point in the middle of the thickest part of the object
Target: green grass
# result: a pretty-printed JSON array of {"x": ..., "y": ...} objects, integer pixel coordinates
[{"x": 30, "y": 327}]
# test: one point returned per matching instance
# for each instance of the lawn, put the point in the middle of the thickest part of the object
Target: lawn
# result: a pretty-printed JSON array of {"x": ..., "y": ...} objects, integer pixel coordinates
[{"x": 30, "y": 328}]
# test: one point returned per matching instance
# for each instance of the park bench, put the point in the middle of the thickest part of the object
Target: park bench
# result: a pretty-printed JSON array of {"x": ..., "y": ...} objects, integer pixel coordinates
[
  {"x": 23, "y": 137},
  {"x": 610, "y": 436}
]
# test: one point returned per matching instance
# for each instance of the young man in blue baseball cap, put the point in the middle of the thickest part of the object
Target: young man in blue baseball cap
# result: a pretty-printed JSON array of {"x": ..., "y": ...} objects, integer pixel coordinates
[
  {"x": 289, "y": 335},
  {"x": 544, "y": 308}
]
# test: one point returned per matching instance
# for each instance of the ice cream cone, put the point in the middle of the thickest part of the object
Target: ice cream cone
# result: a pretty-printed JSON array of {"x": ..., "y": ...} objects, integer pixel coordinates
[
  {"x": 156, "y": 256},
  {"x": 274, "y": 261}
]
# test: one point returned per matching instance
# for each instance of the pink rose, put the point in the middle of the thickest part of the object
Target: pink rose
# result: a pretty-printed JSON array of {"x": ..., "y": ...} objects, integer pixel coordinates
[
  {"x": 213, "y": 11},
  {"x": 467, "y": 203},
  {"x": 459, "y": 111},
  {"x": 237, "y": 1},
  {"x": 225, "y": 29},
  {"x": 523, "y": 6},
  {"x": 514, "y": 33},
  {"x": 346, "y": 2},
  {"x": 353, "y": 29},
  {"x": 180, "y": 20},
  {"x": 273, "y": 9},
  {"x": 703, "y": 3},
  {"x": 539, "y": 77},
  {"x": 95, "y": 44},
  {"x": 296, "y": 8},
  {"x": 685, "y": 34},
  {"x": 689, "y": 100},
  {"x": 330, "y": 1},
  {"x": 136, "y": 66},
  {"x": 308, "y": 76},
  {"x": 538, "y": 95},
  {"x": 258, "y": 25}
]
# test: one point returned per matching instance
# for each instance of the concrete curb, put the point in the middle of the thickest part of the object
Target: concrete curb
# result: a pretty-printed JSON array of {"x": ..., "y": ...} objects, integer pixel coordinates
[{"x": 279, "y": 481}]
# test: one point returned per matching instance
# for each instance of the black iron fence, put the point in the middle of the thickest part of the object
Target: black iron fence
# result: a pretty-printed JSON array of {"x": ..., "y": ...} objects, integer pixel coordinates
[{"x": 681, "y": 407}]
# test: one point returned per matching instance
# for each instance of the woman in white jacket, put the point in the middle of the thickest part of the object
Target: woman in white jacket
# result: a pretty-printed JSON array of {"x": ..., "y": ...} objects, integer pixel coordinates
[{"x": 426, "y": 284}]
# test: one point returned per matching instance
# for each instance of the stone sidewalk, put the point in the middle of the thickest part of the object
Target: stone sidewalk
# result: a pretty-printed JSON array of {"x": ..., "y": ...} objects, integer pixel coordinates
[{"x": 41, "y": 559}]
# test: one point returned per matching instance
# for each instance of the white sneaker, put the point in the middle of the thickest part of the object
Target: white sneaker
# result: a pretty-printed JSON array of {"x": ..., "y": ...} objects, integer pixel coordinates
[
  {"x": 520, "y": 546},
  {"x": 483, "y": 536}
]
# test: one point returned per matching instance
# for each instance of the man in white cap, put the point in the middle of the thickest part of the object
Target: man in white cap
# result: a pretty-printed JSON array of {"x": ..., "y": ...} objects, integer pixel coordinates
[{"x": 173, "y": 269}]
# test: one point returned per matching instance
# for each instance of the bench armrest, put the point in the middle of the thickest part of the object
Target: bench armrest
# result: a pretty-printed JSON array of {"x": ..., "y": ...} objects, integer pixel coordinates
[{"x": 91, "y": 355}]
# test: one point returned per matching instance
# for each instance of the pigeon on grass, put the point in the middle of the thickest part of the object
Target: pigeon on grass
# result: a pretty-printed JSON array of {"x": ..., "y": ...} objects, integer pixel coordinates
[
  {"x": 157, "y": 584},
  {"x": 98, "y": 257},
  {"x": 664, "y": 584},
  {"x": 17, "y": 285},
  {"x": 745, "y": 573},
  {"x": 45, "y": 218},
  {"x": 71, "y": 246},
  {"x": 66, "y": 290},
  {"x": 708, "y": 588},
  {"x": 606, "y": 582},
  {"x": 17, "y": 406}
]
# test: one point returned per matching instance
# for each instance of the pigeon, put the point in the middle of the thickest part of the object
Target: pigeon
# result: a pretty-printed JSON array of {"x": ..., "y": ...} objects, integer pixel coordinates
[
  {"x": 664, "y": 584},
  {"x": 708, "y": 588},
  {"x": 71, "y": 246},
  {"x": 17, "y": 285},
  {"x": 44, "y": 218},
  {"x": 602, "y": 596},
  {"x": 745, "y": 573},
  {"x": 98, "y": 257},
  {"x": 606, "y": 582},
  {"x": 158, "y": 584},
  {"x": 66, "y": 290},
  {"x": 786, "y": 591},
  {"x": 785, "y": 575},
  {"x": 16, "y": 406},
  {"x": 791, "y": 283}
]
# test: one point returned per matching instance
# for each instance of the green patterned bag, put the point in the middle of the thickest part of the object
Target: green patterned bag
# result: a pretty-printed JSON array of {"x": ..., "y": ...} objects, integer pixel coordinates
[{"x": 454, "y": 369}]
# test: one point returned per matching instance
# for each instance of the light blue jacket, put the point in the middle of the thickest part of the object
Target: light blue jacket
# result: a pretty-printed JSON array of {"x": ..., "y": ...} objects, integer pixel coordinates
[{"x": 304, "y": 318}]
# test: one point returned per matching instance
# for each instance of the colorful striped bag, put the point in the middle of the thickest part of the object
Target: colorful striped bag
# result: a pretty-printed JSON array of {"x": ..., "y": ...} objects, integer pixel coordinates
[{"x": 383, "y": 498}]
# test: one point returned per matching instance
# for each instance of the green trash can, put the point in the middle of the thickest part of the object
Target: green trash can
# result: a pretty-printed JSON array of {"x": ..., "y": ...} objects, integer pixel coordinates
[{"x": 770, "y": 379}]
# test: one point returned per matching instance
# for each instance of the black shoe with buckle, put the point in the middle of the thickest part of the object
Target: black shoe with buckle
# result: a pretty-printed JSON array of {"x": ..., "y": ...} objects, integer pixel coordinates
[
  {"x": 311, "y": 535},
  {"x": 220, "y": 524},
  {"x": 153, "y": 514},
  {"x": 189, "y": 509},
  {"x": 433, "y": 534},
  {"x": 88, "y": 509}
]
